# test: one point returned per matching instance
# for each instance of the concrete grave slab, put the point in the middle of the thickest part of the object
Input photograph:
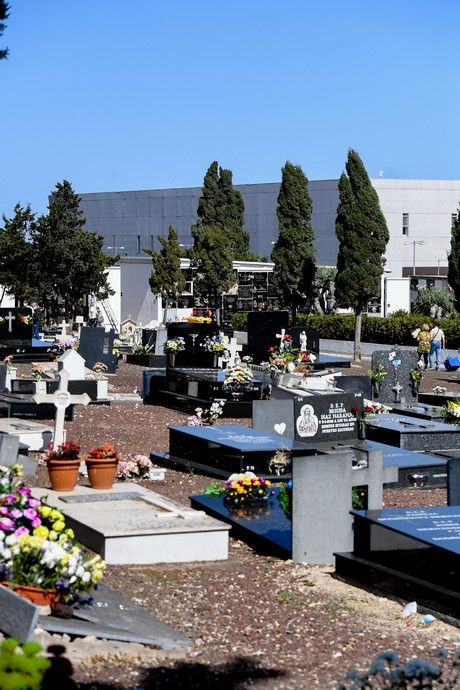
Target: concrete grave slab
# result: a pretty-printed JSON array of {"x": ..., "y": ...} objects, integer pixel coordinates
[
  {"x": 32, "y": 434},
  {"x": 147, "y": 527},
  {"x": 19, "y": 617}
]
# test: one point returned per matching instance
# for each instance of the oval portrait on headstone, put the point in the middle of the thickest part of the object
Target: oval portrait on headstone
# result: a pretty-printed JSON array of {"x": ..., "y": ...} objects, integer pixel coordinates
[{"x": 307, "y": 422}]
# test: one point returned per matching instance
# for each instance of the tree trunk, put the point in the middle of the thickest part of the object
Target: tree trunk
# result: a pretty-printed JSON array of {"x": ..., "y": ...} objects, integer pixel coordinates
[{"x": 357, "y": 345}]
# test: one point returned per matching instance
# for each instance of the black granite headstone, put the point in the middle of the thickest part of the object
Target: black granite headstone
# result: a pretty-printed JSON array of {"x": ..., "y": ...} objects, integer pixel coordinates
[
  {"x": 326, "y": 417},
  {"x": 149, "y": 338},
  {"x": 194, "y": 334},
  {"x": 2, "y": 377},
  {"x": 262, "y": 329},
  {"x": 312, "y": 338},
  {"x": 355, "y": 384},
  {"x": 396, "y": 386},
  {"x": 15, "y": 327},
  {"x": 453, "y": 481},
  {"x": 96, "y": 345}
]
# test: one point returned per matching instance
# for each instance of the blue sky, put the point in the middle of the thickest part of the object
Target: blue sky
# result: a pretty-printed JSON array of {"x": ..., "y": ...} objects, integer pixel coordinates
[{"x": 145, "y": 94}]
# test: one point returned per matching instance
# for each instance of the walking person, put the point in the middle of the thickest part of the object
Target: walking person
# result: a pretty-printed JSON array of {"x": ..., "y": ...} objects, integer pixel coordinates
[
  {"x": 438, "y": 343},
  {"x": 424, "y": 345}
]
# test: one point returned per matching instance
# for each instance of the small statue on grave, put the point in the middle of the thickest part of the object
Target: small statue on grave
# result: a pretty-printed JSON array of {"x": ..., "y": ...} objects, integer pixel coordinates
[{"x": 303, "y": 341}]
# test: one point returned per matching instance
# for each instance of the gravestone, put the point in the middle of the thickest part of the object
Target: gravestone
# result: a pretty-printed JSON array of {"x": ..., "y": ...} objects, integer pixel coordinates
[
  {"x": 354, "y": 384},
  {"x": 10, "y": 455},
  {"x": 161, "y": 338},
  {"x": 19, "y": 617},
  {"x": 96, "y": 345},
  {"x": 3, "y": 377},
  {"x": 396, "y": 386},
  {"x": 412, "y": 433},
  {"x": 73, "y": 363},
  {"x": 312, "y": 338},
  {"x": 149, "y": 338},
  {"x": 194, "y": 334},
  {"x": 315, "y": 418},
  {"x": 320, "y": 527},
  {"x": 15, "y": 328},
  {"x": 262, "y": 329}
]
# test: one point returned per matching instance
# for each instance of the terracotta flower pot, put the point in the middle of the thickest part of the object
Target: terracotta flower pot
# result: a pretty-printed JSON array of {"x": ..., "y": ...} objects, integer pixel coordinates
[
  {"x": 37, "y": 595},
  {"x": 101, "y": 472},
  {"x": 63, "y": 474}
]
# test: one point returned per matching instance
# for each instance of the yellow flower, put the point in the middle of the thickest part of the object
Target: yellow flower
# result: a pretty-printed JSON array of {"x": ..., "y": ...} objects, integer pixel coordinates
[
  {"x": 59, "y": 525},
  {"x": 52, "y": 536},
  {"x": 56, "y": 515},
  {"x": 45, "y": 511},
  {"x": 41, "y": 531},
  {"x": 70, "y": 533}
]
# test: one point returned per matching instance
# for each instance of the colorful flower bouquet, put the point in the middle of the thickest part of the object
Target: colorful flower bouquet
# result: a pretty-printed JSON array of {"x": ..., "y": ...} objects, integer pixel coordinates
[
  {"x": 106, "y": 451},
  {"x": 214, "y": 345},
  {"x": 25, "y": 320},
  {"x": 451, "y": 412},
  {"x": 238, "y": 378},
  {"x": 207, "y": 416},
  {"x": 369, "y": 408},
  {"x": 246, "y": 488},
  {"x": 174, "y": 345},
  {"x": 36, "y": 548},
  {"x": 134, "y": 467},
  {"x": 69, "y": 450}
]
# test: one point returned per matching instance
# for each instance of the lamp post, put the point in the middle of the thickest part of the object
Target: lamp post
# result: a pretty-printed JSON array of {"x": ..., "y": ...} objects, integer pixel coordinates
[{"x": 413, "y": 243}]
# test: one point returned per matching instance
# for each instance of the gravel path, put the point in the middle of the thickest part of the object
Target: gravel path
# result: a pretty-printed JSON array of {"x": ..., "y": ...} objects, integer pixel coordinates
[{"x": 255, "y": 621}]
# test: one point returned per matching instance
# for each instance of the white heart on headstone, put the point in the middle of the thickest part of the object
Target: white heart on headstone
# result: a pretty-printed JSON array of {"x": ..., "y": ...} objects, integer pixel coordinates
[{"x": 280, "y": 428}]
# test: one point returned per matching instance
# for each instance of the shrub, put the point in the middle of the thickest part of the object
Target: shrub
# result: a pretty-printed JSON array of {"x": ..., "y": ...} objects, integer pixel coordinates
[{"x": 427, "y": 298}]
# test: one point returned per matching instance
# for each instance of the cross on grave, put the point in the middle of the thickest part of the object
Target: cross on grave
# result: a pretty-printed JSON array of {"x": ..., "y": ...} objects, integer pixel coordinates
[
  {"x": 63, "y": 327},
  {"x": 397, "y": 388},
  {"x": 61, "y": 399},
  {"x": 10, "y": 318},
  {"x": 281, "y": 337},
  {"x": 233, "y": 348}
]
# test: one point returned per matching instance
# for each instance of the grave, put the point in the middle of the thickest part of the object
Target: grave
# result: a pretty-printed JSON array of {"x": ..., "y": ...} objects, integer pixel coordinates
[
  {"x": 316, "y": 418},
  {"x": 419, "y": 410},
  {"x": 412, "y": 553},
  {"x": 318, "y": 526},
  {"x": 194, "y": 334},
  {"x": 149, "y": 528},
  {"x": 23, "y": 406},
  {"x": 412, "y": 433},
  {"x": 396, "y": 386},
  {"x": 222, "y": 449},
  {"x": 16, "y": 336},
  {"x": 12, "y": 452},
  {"x": 31, "y": 434},
  {"x": 262, "y": 328},
  {"x": 312, "y": 336},
  {"x": 96, "y": 345},
  {"x": 355, "y": 384},
  {"x": 437, "y": 399}
]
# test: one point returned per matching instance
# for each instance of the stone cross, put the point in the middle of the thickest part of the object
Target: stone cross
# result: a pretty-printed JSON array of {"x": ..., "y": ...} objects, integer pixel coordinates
[
  {"x": 281, "y": 337},
  {"x": 63, "y": 327},
  {"x": 61, "y": 399},
  {"x": 397, "y": 388},
  {"x": 10, "y": 318},
  {"x": 233, "y": 348}
]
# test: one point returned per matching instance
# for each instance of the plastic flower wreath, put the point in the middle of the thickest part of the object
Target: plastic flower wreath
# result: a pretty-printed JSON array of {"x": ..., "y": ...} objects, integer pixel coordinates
[
  {"x": 246, "y": 488},
  {"x": 238, "y": 378},
  {"x": 174, "y": 345}
]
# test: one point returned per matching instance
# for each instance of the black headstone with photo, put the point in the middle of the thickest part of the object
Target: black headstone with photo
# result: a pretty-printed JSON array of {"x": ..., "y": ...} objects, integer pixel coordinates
[
  {"x": 16, "y": 327},
  {"x": 263, "y": 326},
  {"x": 96, "y": 345},
  {"x": 312, "y": 336},
  {"x": 194, "y": 335}
]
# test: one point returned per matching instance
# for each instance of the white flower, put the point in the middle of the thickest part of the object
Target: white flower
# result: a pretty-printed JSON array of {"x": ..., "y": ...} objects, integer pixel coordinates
[{"x": 312, "y": 358}]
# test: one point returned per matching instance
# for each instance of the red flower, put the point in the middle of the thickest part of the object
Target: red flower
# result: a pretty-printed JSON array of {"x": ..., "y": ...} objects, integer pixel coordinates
[
  {"x": 271, "y": 349},
  {"x": 287, "y": 338},
  {"x": 355, "y": 409}
]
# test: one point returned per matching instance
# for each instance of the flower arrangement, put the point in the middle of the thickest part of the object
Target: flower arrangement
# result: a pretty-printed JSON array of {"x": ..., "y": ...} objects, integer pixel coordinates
[
  {"x": 106, "y": 451},
  {"x": 369, "y": 408},
  {"x": 451, "y": 412},
  {"x": 214, "y": 345},
  {"x": 36, "y": 548},
  {"x": 378, "y": 375},
  {"x": 174, "y": 345},
  {"x": 207, "y": 416},
  {"x": 134, "y": 467},
  {"x": 286, "y": 358},
  {"x": 69, "y": 450},
  {"x": 415, "y": 377},
  {"x": 38, "y": 371},
  {"x": 100, "y": 368},
  {"x": 245, "y": 488},
  {"x": 7, "y": 361},
  {"x": 238, "y": 378},
  {"x": 25, "y": 319},
  {"x": 66, "y": 342}
]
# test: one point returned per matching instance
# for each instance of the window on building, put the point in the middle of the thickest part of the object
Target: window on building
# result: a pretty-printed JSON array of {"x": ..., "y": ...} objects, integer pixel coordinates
[
  {"x": 453, "y": 219},
  {"x": 405, "y": 224}
]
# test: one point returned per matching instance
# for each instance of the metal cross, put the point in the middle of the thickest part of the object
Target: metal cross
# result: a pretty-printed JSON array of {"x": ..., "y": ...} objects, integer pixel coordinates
[
  {"x": 61, "y": 399},
  {"x": 397, "y": 388},
  {"x": 10, "y": 318}
]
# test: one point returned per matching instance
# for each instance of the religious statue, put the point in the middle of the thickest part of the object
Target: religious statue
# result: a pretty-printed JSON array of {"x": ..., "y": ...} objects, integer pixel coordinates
[{"x": 303, "y": 341}]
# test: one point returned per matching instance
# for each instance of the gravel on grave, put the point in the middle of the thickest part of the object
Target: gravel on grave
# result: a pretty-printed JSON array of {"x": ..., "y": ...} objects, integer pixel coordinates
[{"x": 255, "y": 621}]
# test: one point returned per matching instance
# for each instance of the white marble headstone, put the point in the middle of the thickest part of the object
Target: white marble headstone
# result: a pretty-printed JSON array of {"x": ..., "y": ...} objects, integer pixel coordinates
[{"x": 73, "y": 363}]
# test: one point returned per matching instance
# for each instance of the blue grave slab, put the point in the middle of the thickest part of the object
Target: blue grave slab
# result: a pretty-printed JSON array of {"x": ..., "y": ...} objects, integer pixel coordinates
[{"x": 412, "y": 433}]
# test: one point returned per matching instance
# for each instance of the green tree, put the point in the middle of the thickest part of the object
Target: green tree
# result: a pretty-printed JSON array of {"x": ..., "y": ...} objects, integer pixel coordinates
[
  {"x": 167, "y": 278},
  {"x": 215, "y": 274},
  {"x": 363, "y": 235},
  {"x": 70, "y": 260},
  {"x": 453, "y": 274},
  {"x": 293, "y": 253},
  {"x": 17, "y": 270},
  {"x": 4, "y": 14}
]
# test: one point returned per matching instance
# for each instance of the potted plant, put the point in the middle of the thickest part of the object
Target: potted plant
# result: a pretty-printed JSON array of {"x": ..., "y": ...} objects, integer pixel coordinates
[
  {"x": 214, "y": 345},
  {"x": 63, "y": 462},
  {"x": 172, "y": 347},
  {"x": 246, "y": 489},
  {"x": 102, "y": 465},
  {"x": 238, "y": 381},
  {"x": 377, "y": 376}
]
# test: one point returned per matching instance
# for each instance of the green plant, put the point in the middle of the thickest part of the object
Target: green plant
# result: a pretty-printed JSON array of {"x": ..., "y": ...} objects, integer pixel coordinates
[
  {"x": 378, "y": 375},
  {"x": 433, "y": 296},
  {"x": 21, "y": 665},
  {"x": 214, "y": 489},
  {"x": 284, "y": 596},
  {"x": 359, "y": 498},
  {"x": 415, "y": 377}
]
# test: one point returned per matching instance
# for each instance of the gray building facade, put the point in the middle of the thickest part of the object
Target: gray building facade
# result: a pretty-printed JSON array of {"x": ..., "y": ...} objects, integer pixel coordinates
[{"x": 131, "y": 221}]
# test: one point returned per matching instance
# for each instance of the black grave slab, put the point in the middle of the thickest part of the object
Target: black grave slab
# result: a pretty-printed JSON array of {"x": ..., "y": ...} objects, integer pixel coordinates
[
  {"x": 398, "y": 364},
  {"x": 412, "y": 433},
  {"x": 223, "y": 449},
  {"x": 115, "y": 617},
  {"x": 24, "y": 406},
  {"x": 262, "y": 328},
  {"x": 147, "y": 360},
  {"x": 76, "y": 387},
  {"x": 312, "y": 338},
  {"x": 412, "y": 553},
  {"x": 96, "y": 345},
  {"x": 419, "y": 410},
  {"x": 438, "y": 399},
  {"x": 324, "y": 361},
  {"x": 453, "y": 480},
  {"x": 2, "y": 377},
  {"x": 149, "y": 338},
  {"x": 194, "y": 335},
  {"x": 355, "y": 384},
  {"x": 266, "y": 527},
  {"x": 15, "y": 328}
]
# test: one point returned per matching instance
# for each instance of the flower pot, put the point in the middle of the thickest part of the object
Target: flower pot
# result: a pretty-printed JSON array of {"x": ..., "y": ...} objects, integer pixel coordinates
[
  {"x": 101, "y": 472},
  {"x": 171, "y": 359},
  {"x": 361, "y": 429},
  {"x": 37, "y": 595},
  {"x": 63, "y": 474},
  {"x": 376, "y": 388}
]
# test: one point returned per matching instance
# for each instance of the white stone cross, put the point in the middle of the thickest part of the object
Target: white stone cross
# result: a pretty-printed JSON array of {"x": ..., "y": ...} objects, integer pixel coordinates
[
  {"x": 281, "y": 337},
  {"x": 61, "y": 399},
  {"x": 10, "y": 318},
  {"x": 63, "y": 327},
  {"x": 233, "y": 348}
]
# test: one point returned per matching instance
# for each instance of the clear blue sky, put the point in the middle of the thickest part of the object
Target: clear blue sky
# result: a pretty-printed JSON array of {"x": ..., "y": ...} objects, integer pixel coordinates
[{"x": 145, "y": 94}]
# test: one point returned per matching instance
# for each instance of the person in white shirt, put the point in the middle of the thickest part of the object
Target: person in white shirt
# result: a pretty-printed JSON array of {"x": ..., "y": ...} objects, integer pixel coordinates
[{"x": 438, "y": 343}]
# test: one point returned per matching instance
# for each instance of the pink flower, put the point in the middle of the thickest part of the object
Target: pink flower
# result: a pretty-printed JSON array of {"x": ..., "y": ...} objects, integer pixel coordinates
[
  {"x": 30, "y": 513},
  {"x": 34, "y": 502},
  {"x": 6, "y": 524},
  {"x": 36, "y": 523},
  {"x": 10, "y": 498},
  {"x": 20, "y": 531},
  {"x": 16, "y": 513},
  {"x": 4, "y": 510},
  {"x": 25, "y": 491}
]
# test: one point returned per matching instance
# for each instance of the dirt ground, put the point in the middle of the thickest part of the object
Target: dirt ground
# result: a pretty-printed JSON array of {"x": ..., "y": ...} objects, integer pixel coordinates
[{"x": 254, "y": 620}]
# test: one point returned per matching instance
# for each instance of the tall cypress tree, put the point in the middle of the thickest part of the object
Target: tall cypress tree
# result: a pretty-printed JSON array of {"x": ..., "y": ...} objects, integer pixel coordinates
[
  {"x": 294, "y": 253},
  {"x": 17, "y": 257},
  {"x": 453, "y": 274},
  {"x": 167, "y": 278},
  {"x": 215, "y": 274},
  {"x": 363, "y": 235},
  {"x": 4, "y": 14}
]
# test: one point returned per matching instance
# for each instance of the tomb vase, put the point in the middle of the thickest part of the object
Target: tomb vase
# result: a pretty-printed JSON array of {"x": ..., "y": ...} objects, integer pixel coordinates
[
  {"x": 362, "y": 429},
  {"x": 102, "y": 472},
  {"x": 37, "y": 595},
  {"x": 171, "y": 359},
  {"x": 376, "y": 388},
  {"x": 63, "y": 474},
  {"x": 215, "y": 360}
]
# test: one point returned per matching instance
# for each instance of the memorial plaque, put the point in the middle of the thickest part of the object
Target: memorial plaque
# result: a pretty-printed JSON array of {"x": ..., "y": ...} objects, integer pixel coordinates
[
  {"x": 326, "y": 417},
  {"x": 16, "y": 327},
  {"x": 263, "y": 327},
  {"x": 274, "y": 416}
]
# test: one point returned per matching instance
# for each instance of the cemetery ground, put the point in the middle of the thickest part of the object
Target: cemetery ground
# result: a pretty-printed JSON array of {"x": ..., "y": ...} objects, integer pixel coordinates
[{"x": 254, "y": 620}]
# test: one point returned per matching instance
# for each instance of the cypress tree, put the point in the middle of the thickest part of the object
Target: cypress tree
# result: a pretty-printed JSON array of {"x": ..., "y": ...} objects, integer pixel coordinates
[
  {"x": 453, "y": 274},
  {"x": 4, "y": 14},
  {"x": 294, "y": 253},
  {"x": 363, "y": 235},
  {"x": 215, "y": 274},
  {"x": 17, "y": 257},
  {"x": 167, "y": 278}
]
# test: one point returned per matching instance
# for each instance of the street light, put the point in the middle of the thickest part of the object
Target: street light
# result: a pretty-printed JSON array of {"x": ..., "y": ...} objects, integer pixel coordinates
[{"x": 413, "y": 243}]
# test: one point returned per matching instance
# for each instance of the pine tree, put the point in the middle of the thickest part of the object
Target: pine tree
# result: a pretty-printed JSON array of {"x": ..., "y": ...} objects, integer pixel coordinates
[
  {"x": 17, "y": 270},
  {"x": 167, "y": 278},
  {"x": 293, "y": 253},
  {"x": 363, "y": 235},
  {"x": 4, "y": 14},
  {"x": 453, "y": 274}
]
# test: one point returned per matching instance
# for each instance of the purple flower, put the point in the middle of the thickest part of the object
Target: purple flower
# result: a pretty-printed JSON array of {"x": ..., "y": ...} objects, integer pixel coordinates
[
  {"x": 10, "y": 498},
  {"x": 36, "y": 523},
  {"x": 6, "y": 524},
  {"x": 25, "y": 491},
  {"x": 20, "y": 531},
  {"x": 15, "y": 513},
  {"x": 34, "y": 502},
  {"x": 30, "y": 513},
  {"x": 4, "y": 510}
]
